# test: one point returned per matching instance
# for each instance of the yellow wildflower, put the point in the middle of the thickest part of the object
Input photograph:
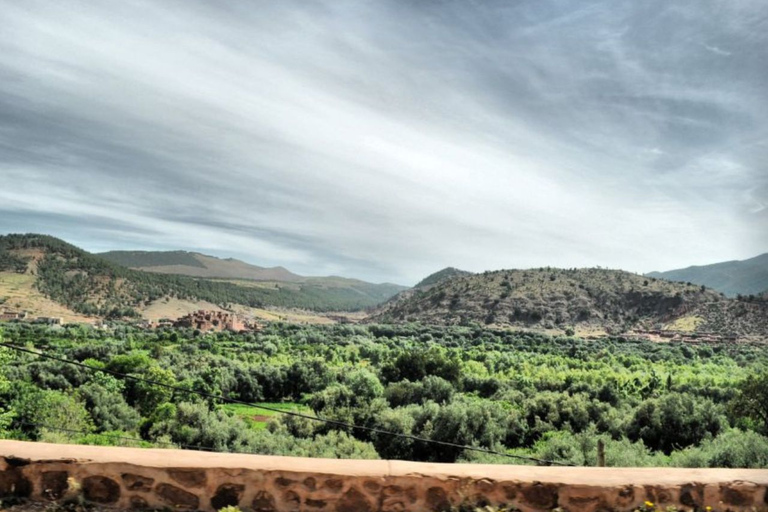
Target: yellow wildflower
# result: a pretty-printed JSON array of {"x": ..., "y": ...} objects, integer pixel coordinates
[{"x": 649, "y": 504}]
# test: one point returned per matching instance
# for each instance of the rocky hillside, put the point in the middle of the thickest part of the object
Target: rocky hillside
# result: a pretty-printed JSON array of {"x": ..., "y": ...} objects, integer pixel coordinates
[
  {"x": 420, "y": 287},
  {"x": 90, "y": 285},
  {"x": 747, "y": 277},
  {"x": 599, "y": 299}
]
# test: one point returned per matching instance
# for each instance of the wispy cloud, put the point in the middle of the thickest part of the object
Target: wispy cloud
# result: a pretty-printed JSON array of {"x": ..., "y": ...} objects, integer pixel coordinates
[
  {"x": 385, "y": 140},
  {"x": 718, "y": 51}
]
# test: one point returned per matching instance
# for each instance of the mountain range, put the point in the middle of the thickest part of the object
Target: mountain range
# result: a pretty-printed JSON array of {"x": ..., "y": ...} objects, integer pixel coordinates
[
  {"x": 198, "y": 265},
  {"x": 746, "y": 277},
  {"x": 47, "y": 275},
  {"x": 96, "y": 286}
]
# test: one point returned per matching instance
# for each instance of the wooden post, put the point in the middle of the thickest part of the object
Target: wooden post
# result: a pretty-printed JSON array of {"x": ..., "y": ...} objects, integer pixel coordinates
[{"x": 600, "y": 453}]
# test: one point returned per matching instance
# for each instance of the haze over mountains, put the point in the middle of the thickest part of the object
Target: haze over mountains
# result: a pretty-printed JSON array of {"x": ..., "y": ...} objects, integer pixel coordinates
[{"x": 746, "y": 277}]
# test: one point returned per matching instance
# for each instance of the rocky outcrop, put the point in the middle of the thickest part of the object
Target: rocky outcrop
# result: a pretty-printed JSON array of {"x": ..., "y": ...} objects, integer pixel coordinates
[{"x": 185, "y": 480}]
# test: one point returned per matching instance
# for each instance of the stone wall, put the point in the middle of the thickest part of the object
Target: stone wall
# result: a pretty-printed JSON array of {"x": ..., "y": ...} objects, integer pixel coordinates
[{"x": 188, "y": 480}]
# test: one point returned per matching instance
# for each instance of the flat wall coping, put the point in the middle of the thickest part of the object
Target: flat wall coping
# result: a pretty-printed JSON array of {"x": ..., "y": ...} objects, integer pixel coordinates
[{"x": 169, "y": 458}]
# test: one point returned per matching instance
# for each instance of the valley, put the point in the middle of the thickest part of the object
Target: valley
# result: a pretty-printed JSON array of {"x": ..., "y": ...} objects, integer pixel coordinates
[
  {"x": 537, "y": 364},
  {"x": 45, "y": 276}
]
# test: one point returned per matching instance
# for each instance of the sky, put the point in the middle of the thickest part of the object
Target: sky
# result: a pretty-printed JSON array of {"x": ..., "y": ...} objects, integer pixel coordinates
[{"x": 385, "y": 140}]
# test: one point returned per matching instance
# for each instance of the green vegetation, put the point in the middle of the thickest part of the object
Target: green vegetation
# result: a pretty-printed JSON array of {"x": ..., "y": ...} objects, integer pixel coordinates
[
  {"x": 9, "y": 261},
  {"x": 91, "y": 285},
  {"x": 151, "y": 258},
  {"x": 515, "y": 392},
  {"x": 258, "y": 417}
]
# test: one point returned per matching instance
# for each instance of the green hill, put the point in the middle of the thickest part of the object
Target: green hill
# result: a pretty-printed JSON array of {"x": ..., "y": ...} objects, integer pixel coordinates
[
  {"x": 198, "y": 265},
  {"x": 138, "y": 259},
  {"x": 92, "y": 285},
  {"x": 746, "y": 277},
  {"x": 588, "y": 299}
]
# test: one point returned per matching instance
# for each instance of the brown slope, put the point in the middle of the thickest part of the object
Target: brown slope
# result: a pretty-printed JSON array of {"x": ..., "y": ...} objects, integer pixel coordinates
[
  {"x": 212, "y": 267},
  {"x": 198, "y": 265}
]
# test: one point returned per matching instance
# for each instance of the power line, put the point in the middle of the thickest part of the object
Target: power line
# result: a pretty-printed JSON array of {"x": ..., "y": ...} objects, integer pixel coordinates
[
  {"x": 337, "y": 423},
  {"x": 116, "y": 436}
]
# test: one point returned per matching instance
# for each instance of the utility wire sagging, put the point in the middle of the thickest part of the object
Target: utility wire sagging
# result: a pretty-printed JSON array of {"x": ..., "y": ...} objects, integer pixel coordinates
[{"x": 280, "y": 411}]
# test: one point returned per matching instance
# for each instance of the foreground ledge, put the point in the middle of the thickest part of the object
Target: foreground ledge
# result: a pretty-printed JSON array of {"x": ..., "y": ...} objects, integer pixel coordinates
[{"x": 189, "y": 480}]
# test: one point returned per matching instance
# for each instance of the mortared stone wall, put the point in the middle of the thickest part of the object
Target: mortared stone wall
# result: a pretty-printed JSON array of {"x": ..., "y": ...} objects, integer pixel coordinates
[{"x": 132, "y": 478}]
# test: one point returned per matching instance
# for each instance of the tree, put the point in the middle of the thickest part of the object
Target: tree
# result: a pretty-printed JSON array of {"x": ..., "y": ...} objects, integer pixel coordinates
[
  {"x": 109, "y": 409},
  {"x": 146, "y": 396},
  {"x": 5, "y": 386},
  {"x": 675, "y": 421},
  {"x": 752, "y": 400},
  {"x": 45, "y": 411}
]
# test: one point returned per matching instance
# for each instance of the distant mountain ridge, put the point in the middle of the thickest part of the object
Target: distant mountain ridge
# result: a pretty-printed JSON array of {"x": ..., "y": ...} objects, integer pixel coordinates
[
  {"x": 588, "y": 300},
  {"x": 91, "y": 285},
  {"x": 744, "y": 277},
  {"x": 196, "y": 264}
]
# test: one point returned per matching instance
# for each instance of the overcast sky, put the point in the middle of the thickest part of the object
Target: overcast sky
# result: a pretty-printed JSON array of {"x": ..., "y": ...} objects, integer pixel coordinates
[{"x": 385, "y": 140}]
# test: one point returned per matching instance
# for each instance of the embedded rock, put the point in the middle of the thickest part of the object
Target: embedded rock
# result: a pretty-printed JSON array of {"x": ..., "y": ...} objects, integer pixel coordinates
[
  {"x": 101, "y": 489},
  {"x": 54, "y": 484},
  {"x": 177, "y": 497},
  {"x": 137, "y": 482},
  {"x": 227, "y": 495}
]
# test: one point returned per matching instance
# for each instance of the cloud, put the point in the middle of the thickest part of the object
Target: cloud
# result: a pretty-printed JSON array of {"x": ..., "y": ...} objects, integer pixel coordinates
[
  {"x": 718, "y": 51},
  {"x": 387, "y": 140}
]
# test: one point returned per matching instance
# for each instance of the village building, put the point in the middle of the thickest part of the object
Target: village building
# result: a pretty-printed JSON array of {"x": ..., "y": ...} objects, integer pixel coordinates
[
  {"x": 145, "y": 324},
  {"x": 9, "y": 316},
  {"x": 213, "y": 321},
  {"x": 49, "y": 320},
  {"x": 684, "y": 336}
]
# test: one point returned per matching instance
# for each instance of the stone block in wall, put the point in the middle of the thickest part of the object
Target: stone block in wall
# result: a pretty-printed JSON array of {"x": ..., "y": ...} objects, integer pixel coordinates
[
  {"x": 177, "y": 497},
  {"x": 101, "y": 489},
  {"x": 138, "y": 483},
  {"x": 227, "y": 495},
  {"x": 54, "y": 484},
  {"x": 194, "y": 478},
  {"x": 14, "y": 483}
]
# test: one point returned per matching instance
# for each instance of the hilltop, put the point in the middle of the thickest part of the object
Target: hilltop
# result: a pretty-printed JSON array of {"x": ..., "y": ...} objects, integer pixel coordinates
[
  {"x": 195, "y": 264},
  {"x": 440, "y": 276},
  {"x": 745, "y": 277},
  {"x": 599, "y": 300},
  {"x": 90, "y": 285}
]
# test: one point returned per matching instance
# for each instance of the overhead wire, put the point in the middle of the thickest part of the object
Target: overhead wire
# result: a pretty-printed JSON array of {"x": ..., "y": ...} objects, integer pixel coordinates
[
  {"x": 116, "y": 436},
  {"x": 328, "y": 421}
]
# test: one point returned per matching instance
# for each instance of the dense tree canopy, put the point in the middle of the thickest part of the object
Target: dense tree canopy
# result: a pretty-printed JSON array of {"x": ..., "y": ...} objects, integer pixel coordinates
[{"x": 513, "y": 392}]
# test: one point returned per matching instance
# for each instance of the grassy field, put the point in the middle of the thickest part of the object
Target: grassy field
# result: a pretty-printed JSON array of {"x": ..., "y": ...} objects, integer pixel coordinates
[
  {"x": 685, "y": 324},
  {"x": 257, "y": 418},
  {"x": 17, "y": 293}
]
